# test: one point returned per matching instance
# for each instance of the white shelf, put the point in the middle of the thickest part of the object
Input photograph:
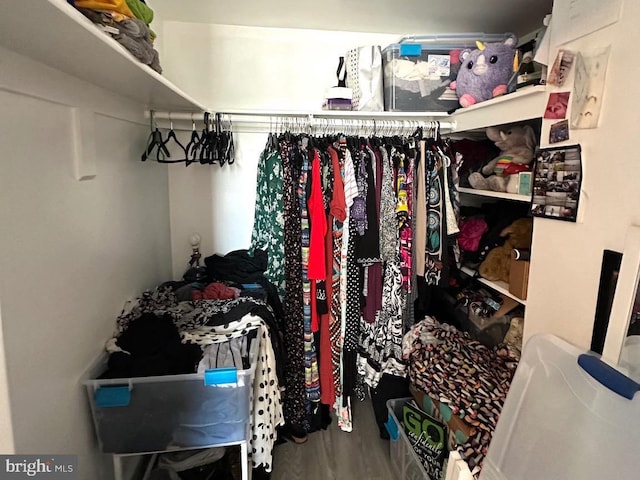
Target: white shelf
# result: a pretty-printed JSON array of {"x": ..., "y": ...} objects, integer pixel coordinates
[
  {"x": 524, "y": 104},
  {"x": 54, "y": 33},
  {"x": 488, "y": 193},
  {"x": 342, "y": 114},
  {"x": 498, "y": 286}
]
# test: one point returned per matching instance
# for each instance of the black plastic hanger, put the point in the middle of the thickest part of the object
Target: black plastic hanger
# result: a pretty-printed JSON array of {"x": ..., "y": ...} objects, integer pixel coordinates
[
  {"x": 154, "y": 142},
  {"x": 229, "y": 152},
  {"x": 172, "y": 136},
  {"x": 208, "y": 152},
  {"x": 193, "y": 146}
]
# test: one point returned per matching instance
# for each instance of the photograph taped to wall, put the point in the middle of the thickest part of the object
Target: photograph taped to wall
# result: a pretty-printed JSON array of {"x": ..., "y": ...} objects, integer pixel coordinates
[
  {"x": 557, "y": 106},
  {"x": 559, "y": 132},
  {"x": 557, "y": 182},
  {"x": 561, "y": 68}
]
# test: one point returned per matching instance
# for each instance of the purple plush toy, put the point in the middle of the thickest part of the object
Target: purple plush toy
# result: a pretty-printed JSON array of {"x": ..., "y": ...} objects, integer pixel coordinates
[{"x": 485, "y": 72}]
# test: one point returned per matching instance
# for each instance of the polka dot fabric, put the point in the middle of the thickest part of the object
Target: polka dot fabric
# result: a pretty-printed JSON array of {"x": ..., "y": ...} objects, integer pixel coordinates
[{"x": 266, "y": 407}]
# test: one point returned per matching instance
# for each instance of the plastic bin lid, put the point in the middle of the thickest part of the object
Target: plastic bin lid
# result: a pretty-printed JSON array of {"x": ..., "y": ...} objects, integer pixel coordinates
[
  {"x": 558, "y": 422},
  {"x": 446, "y": 41}
]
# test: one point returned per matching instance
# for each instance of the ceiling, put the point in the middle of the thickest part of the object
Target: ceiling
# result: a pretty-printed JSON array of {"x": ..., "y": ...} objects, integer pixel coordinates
[{"x": 376, "y": 16}]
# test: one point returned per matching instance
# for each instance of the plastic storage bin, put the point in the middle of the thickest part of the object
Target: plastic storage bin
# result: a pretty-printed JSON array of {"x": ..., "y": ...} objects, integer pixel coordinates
[
  {"x": 152, "y": 414},
  {"x": 419, "y": 69},
  {"x": 559, "y": 422},
  {"x": 404, "y": 460}
]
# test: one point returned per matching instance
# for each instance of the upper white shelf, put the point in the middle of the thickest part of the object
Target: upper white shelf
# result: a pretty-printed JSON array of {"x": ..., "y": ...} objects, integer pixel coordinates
[
  {"x": 524, "y": 104},
  {"x": 355, "y": 114},
  {"x": 54, "y": 33},
  {"x": 488, "y": 193}
]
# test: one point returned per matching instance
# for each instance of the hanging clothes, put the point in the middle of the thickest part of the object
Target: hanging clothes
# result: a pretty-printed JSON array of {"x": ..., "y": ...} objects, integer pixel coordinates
[
  {"x": 421, "y": 212},
  {"x": 357, "y": 231},
  {"x": 268, "y": 225},
  {"x": 330, "y": 321},
  {"x": 295, "y": 394},
  {"x": 373, "y": 297},
  {"x": 342, "y": 405},
  {"x": 312, "y": 379},
  {"x": 317, "y": 270},
  {"x": 436, "y": 219}
]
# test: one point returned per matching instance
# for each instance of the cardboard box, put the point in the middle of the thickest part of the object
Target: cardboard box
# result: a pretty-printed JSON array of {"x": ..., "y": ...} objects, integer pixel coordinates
[
  {"x": 518, "y": 277},
  {"x": 490, "y": 331}
]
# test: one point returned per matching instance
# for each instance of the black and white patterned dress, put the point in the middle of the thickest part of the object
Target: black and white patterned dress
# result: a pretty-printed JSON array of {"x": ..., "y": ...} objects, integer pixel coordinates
[{"x": 295, "y": 394}]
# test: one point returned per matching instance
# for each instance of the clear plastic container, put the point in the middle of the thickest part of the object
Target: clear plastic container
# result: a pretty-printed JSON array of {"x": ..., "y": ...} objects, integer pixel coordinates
[
  {"x": 419, "y": 69},
  {"x": 404, "y": 460},
  {"x": 559, "y": 422},
  {"x": 151, "y": 414}
]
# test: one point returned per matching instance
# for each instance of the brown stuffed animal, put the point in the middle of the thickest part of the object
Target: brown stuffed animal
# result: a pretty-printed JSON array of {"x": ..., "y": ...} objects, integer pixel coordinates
[{"x": 498, "y": 262}]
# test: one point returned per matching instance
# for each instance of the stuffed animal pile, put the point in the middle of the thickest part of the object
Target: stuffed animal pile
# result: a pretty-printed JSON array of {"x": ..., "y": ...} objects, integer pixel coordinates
[
  {"x": 497, "y": 264},
  {"x": 517, "y": 145}
]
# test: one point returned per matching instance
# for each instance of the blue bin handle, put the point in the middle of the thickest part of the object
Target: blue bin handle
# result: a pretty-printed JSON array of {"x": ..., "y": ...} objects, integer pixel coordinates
[
  {"x": 112, "y": 396},
  {"x": 220, "y": 376},
  {"x": 392, "y": 428},
  {"x": 608, "y": 376}
]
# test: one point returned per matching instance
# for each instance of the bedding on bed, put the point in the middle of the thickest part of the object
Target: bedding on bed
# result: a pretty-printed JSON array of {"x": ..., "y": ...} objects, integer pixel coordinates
[{"x": 460, "y": 381}]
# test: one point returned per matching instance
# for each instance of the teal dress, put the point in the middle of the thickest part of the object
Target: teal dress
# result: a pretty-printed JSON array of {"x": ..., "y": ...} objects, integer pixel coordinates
[{"x": 268, "y": 225}]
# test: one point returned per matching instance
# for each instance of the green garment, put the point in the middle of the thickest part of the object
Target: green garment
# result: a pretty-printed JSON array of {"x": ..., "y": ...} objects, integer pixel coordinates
[
  {"x": 268, "y": 225},
  {"x": 141, "y": 10}
]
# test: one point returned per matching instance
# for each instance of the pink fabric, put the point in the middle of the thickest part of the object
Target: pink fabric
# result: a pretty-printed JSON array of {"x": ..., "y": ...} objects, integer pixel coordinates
[
  {"x": 215, "y": 291},
  {"x": 316, "y": 268},
  {"x": 471, "y": 232}
]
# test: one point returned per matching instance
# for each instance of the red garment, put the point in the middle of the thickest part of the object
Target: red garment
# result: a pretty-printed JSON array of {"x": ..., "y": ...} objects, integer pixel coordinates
[
  {"x": 315, "y": 205},
  {"x": 338, "y": 209},
  {"x": 327, "y": 388},
  {"x": 214, "y": 291}
]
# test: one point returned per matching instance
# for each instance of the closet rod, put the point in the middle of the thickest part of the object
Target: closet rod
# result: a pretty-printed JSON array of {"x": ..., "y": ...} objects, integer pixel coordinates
[{"x": 321, "y": 120}]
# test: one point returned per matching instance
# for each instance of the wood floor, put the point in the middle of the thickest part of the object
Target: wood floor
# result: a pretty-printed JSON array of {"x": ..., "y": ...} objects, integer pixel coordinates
[{"x": 336, "y": 455}]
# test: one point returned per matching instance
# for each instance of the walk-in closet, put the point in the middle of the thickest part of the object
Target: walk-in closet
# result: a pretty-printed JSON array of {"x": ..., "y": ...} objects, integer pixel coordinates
[{"x": 283, "y": 241}]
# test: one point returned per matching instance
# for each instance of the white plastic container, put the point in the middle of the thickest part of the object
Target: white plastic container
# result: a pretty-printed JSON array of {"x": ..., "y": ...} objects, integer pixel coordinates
[{"x": 560, "y": 423}]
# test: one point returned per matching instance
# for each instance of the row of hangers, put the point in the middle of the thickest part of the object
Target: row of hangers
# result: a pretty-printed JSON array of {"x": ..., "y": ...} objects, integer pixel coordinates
[
  {"x": 352, "y": 127},
  {"x": 213, "y": 145},
  {"x": 357, "y": 132}
]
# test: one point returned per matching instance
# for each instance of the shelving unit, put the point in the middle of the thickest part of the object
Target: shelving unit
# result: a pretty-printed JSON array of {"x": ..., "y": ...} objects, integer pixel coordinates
[
  {"x": 524, "y": 104},
  {"x": 54, "y": 33}
]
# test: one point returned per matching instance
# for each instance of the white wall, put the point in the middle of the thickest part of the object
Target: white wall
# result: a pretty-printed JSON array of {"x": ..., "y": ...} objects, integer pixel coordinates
[
  {"x": 566, "y": 257},
  {"x": 71, "y": 251},
  {"x": 248, "y": 68}
]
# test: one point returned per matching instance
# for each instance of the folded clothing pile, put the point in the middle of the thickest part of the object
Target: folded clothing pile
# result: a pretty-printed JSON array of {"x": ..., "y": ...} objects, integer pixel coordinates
[{"x": 127, "y": 21}]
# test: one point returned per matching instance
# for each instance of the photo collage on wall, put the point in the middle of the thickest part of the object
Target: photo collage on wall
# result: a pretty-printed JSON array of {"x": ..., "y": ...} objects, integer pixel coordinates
[{"x": 556, "y": 183}]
